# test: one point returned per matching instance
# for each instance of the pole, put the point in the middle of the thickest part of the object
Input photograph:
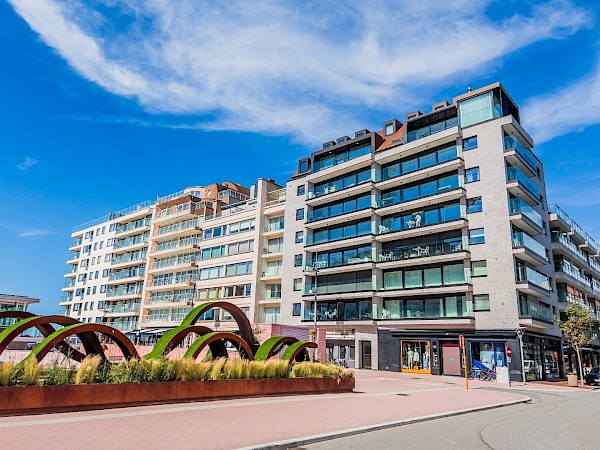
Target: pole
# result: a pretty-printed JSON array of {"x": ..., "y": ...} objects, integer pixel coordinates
[
  {"x": 316, "y": 268},
  {"x": 520, "y": 335},
  {"x": 464, "y": 353}
]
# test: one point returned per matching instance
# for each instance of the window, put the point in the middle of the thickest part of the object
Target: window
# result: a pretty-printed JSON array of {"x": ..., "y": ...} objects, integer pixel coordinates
[
  {"x": 300, "y": 214},
  {"x": 239, "y": 247},
  {"x": 296, "y": 308},
  {"x": 389, "y": 129},
  {"x": 298, "y": 284},
  {"x": 105, "y": 273},
  {"x": 242, "y": 268},
  {"x": 474, "y": 205},
  {"x": 298, "y": 261},
  {"x": 300, "y": 190},
  {"x": 110, "y": 242},
  {"x": 469, "y": 143},
  {"x": 112, "y": 227},
  {"x": 479, "y": 269},
  {"x": 476, "y": 236},
  {"x": 481, "y": 302},
  {"x": 472, "y": 175},
  {"x": 102, "y": 291},
  {"x": 299, "y": 237},
  {"x": 107, "y": 257},
  {"x": 303, "y": 166},
  {"x": 94, "y": 290}
]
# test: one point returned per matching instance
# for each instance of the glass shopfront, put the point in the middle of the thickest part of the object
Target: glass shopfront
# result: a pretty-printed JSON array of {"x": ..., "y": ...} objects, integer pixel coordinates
[
  {"x": 488, "y": 354},
  {"x": 534, "y": 367},
  {"x": 551, "y": 364},
  {"x": 415, "y": 356}
]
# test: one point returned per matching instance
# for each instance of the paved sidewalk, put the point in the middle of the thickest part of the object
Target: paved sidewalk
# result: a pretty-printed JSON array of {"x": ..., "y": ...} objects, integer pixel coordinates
[{"x": 381, "y": 399}]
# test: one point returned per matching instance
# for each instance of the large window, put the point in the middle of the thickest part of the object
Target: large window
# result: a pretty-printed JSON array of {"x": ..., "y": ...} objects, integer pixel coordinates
[
  {"x": 341, "y": 157},
  {"x": 339, "y": 208},
  {"x": 481, "y": 302},
  {"x": 348, "y": 310},
  {"x": 420, "y": 219},
  {"x": 337, "y": 233},
  {"x": 417, "y": 191},
  {"x": 342, "y": 257},
  {"x": 426, "y": 308},
  {"x": 242, "y": 268},
  {"x": 428, "y": 159},
  {"x": 241, "y": 247},
  {"x": 424, "y": 278},
  {"x": 213, "y": 252},
  {"x": 337, "y": 184},
  {"x": 341, "y": 282}
]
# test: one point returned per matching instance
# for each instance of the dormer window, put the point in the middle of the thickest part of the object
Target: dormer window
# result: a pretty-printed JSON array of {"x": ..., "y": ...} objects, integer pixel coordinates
[{"x": 389, "y": 129}]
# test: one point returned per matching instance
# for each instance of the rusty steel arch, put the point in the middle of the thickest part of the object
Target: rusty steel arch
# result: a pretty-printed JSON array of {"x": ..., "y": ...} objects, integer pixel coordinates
[
  {"x": 174, "y": 337},
  {"x": 207, "y": 339},
  {"x": 84, "y": 331},
  {"x": 298, "y": 351},
  {"x": 272, "y": 346},
  {"x": 238, "y": 315},
  {"x": 43, "y": 323}
]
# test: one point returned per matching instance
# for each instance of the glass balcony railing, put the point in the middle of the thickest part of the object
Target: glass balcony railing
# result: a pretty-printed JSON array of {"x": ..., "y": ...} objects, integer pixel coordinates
[
  {"x": 528, "y": 275},
  {"x": 177, "y": 243},
  {"x": 161, "y": 318},
  {"x": 274, "y": 272},
  {"x": 423, "y": 190},
  {"x": 123, "y": 326},
  {"x": 273, "y": 226},
  {"x": 171, "y": 298},
  {"x": 429, "y": 130},
  {"x": 70, "y": 269},
  {"x": 431, "y": 248},
  {"x": 511, "y": 142},
  {"x": 339, "y": 184},
  {"x": 339, "y": 287},
  {"x": 69, "y": 282},
  {"x": 471, "y": 117},
  {"x": 338, "y": 209},
  {"x": 340, "y": 158},
  {"x": 594, "y": 264},
  {"x": 121, "y": 291},
  {"x": 535, "y": 311},
  {"x": 348, "y": 311},
  {"x": 124, "y": 308},
  {"x": 523, "y": 240},
  {"x": 418, "y": 163},
  {"x": 129, "y": 257},
  {"x": 596, "y": 286},
  {"x": 179, "y": 226},
  {"x": 340, "y": 258},
  {"x": 516, "y": 174},
  {"x": 270, "y": 295},
  {"x": 420, "y": 219},
  {"x": 564, "y": 240},
  {"x": 339, "y": 233},
  {"x": 130, "y": 241},
  {"x": 75, "y": 242},
  {"x": 132, "y": 226},
  {"x": 562, "y": 266},
  {"x": 121, "y": 274},
  {"x": 440, "y": 308},
  {"x": 273, "y": 249},
  {"x": 518, "y": 206}
]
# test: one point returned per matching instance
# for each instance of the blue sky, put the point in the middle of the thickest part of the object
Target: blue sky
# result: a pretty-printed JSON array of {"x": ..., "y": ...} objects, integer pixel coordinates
[{"x": 106, "y": 103}]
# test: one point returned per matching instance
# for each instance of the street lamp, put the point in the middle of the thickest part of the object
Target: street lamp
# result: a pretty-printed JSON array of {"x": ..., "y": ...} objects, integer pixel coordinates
[
  {"x": 314, "y": 271},
  {"x": 520, "y": 332}
]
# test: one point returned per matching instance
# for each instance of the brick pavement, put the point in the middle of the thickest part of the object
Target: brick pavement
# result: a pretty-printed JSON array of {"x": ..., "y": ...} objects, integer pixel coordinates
[{"x": 380, "y": 398}]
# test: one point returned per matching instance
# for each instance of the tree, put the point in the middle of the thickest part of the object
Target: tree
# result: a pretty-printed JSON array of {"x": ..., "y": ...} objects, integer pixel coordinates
[{"x": 577, "y": 328}]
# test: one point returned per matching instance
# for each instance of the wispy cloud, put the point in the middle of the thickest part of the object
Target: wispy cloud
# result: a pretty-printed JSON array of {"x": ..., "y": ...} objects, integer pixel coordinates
[
  {"x": 297, "y": 68},
  {"x": 27, "y": 163},
  {"x": 25, "y": 232},
  {"x": 29, "y": 233}
]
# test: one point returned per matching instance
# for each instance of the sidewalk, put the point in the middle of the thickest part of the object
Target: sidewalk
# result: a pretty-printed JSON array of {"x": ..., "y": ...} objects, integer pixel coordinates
[{"x": 381, "y": 399}]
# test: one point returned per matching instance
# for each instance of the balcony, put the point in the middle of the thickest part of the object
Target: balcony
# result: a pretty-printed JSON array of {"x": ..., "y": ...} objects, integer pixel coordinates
[
  {"x": 164, "y": 319},
  {"x": 179, "y": 227},
  {"x": 424, "y": 250},
  {"x": 123, "y": 326},
  {"x": 172, "y": 281},
  {"x": 168, "y": 299},
  {"x": 349, "y": 206},
  {"x": 128, "y": 258},
  {"x": 525, "y": 217},
  {"x": 528, "y": 249},
  {"x": 436, "y": 220},
  {"x": 270, "y": 273},
  {"x": 274, "y": 227},
  {"x": 340, "y": 311},
  {"x": 339, "y": 287},
  {"x": 340, "y": 158},
  {"x": 342, "y": 186},
  {"x": 332, "y": 235},
  {"x": 131, "y": 241},
  {"x": 176, "y": 245},
  {"x": 272, "y": 251},
  {"x": 522, "y": 186},
  {"x": 71, "y": 271},
  {"x": 529, "y": 310},
  {"x": 518, "y": 155},
  {"x": 343, "y": 259},
  {"x": 123, "y": 274},
  {"x": 183, "y": 209},
  {"x": 532, "y": 282},
  {"x": 132, "y": 226},
  {"x": 436, "y": 191},
  {"x": 562, "y": 244},
  {"x": 133, "y": 291},
  {"x": 275, "y": 198},
  {"x": 561, "y": 267},
  {"x": 419, "y": 309},
  {"x": 429, "y": 130},
  {"x": 269, "y": 296},
  {"x": 75, "y": 244},
  {"x": 123, "y": 308}
]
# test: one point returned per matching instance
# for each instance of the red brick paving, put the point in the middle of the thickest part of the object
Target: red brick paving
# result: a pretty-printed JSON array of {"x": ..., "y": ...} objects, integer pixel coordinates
[{"x": 381, "y": 397}]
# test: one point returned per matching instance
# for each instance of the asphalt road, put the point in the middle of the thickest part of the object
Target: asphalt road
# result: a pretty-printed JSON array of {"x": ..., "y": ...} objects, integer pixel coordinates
[{"x": 552, "y": 420}]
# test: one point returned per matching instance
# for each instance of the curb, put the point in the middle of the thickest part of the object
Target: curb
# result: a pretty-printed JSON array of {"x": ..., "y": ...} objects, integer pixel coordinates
[{"x": 291, "y": 443}]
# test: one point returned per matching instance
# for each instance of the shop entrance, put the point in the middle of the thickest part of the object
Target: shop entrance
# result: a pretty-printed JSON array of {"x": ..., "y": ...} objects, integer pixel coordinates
[
  {"x": 450, "y": 358},
  {"x": 488, "y": 353},
  {"x": 532, "y": 361},
  {"x": 365, "y": 353},
  {"x": 415, "y": 356}
]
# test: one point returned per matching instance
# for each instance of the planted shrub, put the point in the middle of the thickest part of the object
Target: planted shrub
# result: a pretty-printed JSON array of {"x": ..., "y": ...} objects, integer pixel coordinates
[
  {"x": 30, "y": 373},
  {"x": 163, "y": 369},
  {"x": 217, "y": 368},
  {"x": 8, "y": 373},
  {"x": 87, "y": 373},
  {"x": 56, "y": 375}
]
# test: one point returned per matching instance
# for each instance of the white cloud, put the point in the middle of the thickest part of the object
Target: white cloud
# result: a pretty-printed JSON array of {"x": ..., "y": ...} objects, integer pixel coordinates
[
  {"x": 299, "y": 68},
  {"x": 569, "y": 109},
  {"x": 28, "y": 233},
  {"x": 27, "y": 163}
]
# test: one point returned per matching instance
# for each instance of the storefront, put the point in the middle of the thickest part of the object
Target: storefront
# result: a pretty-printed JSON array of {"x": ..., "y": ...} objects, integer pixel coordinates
[
  {"x": 341, "y": 351},
  {"x": 488, "y": 354},
  {"x": 415, "y": 356}
]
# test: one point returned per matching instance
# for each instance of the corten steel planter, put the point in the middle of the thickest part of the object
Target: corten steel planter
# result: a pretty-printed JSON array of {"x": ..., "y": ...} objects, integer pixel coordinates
[{"x": 15, "y": 400}]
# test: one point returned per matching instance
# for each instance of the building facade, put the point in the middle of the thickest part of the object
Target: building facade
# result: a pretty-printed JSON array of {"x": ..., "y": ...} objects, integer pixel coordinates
[
  {"x": 424, "y": 231},
  {"x": 9, "y": 302}
]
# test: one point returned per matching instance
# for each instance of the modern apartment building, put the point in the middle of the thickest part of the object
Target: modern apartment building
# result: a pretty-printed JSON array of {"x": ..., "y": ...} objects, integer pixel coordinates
[
  {"x": 429, "y": 229},
  {"x": 9, "y": 302},
  {"x": 577, "y": 266},
  {"x": 143, "y": 268}
]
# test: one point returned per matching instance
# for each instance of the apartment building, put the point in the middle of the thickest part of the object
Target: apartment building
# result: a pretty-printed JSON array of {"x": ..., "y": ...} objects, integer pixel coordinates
[
  {"x": 10, "y": 302},
  {"x": 143, "y": 268},
  {"x": 576, "y": 258},
  {"x": 429, "y": 229}
]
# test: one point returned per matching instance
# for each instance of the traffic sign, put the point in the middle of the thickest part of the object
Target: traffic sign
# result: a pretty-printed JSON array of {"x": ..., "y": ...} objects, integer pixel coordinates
[{"x": 508, "y": 352}]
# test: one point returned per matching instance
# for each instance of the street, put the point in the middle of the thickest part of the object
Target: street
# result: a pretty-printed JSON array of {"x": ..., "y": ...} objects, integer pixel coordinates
[{"x": 559, "y": 419}]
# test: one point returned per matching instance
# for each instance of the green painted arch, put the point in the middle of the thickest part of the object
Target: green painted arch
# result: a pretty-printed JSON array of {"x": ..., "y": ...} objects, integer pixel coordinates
[
  {"x": 173, "y": 338},
  {"x": 272, "y": 346},
  {"x": 43, "y": 323},
  {"x": 238, "y": 315},
  {"x": 297, "y": 351},
  {"x": 199, "y": 344},
  {"x": 83, "y": 331}
]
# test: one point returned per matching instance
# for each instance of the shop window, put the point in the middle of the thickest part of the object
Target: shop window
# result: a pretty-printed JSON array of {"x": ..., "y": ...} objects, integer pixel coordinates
[
  {"x": 488, "y": 355},
  {"x": 415, "y": 356}
]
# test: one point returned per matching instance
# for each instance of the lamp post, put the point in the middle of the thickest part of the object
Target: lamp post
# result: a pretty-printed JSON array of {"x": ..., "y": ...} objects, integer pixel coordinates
[{"x": 520, "y": 332}]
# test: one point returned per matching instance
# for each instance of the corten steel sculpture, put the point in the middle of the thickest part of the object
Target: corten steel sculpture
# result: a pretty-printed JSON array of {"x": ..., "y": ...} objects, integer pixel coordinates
[{"x": 243, "y": 341}]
